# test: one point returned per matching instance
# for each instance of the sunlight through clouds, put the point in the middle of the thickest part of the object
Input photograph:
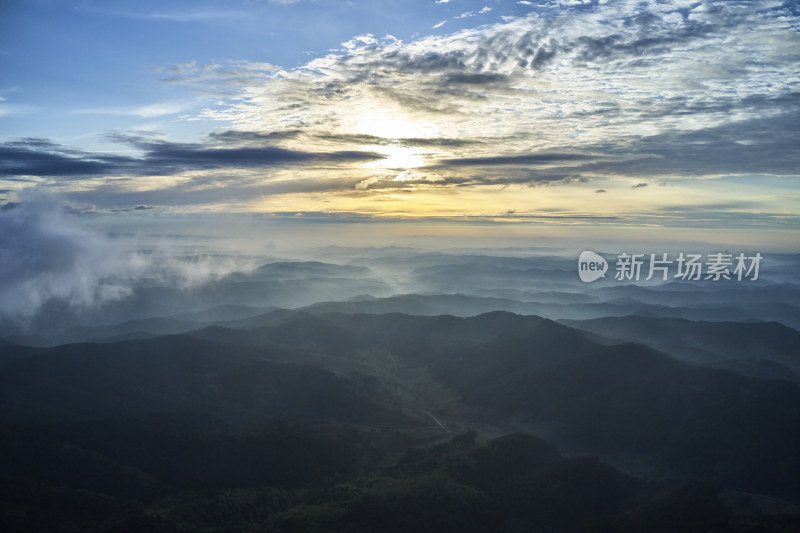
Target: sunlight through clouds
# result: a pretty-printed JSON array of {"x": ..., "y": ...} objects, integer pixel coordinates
[{"x": 543, "y": 107}]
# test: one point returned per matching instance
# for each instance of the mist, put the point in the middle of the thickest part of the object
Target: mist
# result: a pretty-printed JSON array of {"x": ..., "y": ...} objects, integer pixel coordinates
[{"x": 49, "y": 259}]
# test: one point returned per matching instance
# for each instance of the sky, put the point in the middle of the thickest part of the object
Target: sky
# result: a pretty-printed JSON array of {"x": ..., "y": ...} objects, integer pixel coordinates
[{"x": 572, "y": 118}]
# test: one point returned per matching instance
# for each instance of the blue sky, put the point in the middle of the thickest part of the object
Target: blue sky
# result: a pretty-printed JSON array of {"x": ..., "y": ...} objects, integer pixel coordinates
[
  {"x": 63, "y": 58},
  {"x": 665, "y": 115}
]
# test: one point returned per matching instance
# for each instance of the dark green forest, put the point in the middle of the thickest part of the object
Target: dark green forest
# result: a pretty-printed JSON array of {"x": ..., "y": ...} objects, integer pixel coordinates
[{"x": 290, "y": 421}]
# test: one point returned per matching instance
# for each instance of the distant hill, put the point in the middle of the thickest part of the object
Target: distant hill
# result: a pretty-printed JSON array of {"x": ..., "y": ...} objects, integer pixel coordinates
[
  {"x": 221, "y": 313},
  {"x": 286, "y": 270},
  {"x": 723, "y": 344}
]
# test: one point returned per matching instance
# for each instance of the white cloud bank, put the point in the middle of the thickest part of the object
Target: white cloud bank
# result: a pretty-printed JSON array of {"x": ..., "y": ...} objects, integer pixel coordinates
[{"x": 46, "y": 256}]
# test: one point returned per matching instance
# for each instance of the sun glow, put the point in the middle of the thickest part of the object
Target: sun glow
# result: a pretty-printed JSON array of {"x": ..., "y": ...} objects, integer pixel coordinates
[
  {"x": 387, "y": 125},
  {"x": 398, "y": 158}
]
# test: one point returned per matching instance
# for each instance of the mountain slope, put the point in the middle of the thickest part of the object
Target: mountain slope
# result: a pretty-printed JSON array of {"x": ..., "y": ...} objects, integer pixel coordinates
[
  {"x": 716, "y": 343},
  {"x": 168, "y": 375}
]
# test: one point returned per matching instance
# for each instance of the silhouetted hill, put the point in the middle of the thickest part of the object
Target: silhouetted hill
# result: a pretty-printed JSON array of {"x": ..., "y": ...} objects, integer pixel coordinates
[
  {"x": 714, "y": 343},
  {"x": 27, "y": 340},
  {"x": 625, "y": 401},
  {"x": 174, "y": 374},
  {"x": 630, "y": 401},
  {"x": 564, "y": 306},
  {"x": 141, "y": 327},
  {"x": 223, "y": 428},
  {"x": 220, "y": 313}
]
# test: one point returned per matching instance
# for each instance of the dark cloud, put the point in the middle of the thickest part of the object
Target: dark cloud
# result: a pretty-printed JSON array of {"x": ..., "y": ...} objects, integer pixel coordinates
[
  {"x": 23, "y": 162},
  {"x": 369, "y": 140},
  {"x": 616, "y": 46},
  {"x": 424, "y": 63},
  {"x": 45, "y": 159},
  {"x": 441, "y": 142},
  {"x": 134, "y": 209},
  {"x": 787, "y": 103},
  {"x": 564, "y": 217},
  {"x": 232, "y": 136},
  {"x": 513, "y": 176},
  {"x": 434, "y": 99},
  {"x": 733, "y": 214},
  {"x": 757, "y": 146},
  {"x": 164, "y": 156},
  {"x": 523, "y": 159},
  {"x": 482, "y": 79}
]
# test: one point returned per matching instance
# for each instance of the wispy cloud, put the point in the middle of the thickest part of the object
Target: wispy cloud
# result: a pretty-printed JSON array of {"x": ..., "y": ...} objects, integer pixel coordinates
[
  {"x": 185, "y": 15},
  {"x": 468, "y": 14},
  {"x": 146, "y": 111}
]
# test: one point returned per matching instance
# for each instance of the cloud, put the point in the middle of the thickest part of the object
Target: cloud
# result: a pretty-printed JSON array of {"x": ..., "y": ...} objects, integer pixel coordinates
[
  {"x": 524, "y": 159},
  {"x": 629, "y": 90},
  {"x": 409, "y": 176},
  {"x": 364, "y": 139},
  {"x": 218, "y": 79},
  {"x": 199, "y": 15},
  {"x": 170, "y": 157},
  {"x": 43, "y": 257},
  {"x": 42, "y": 158},
  {"x": 8, "y": 110},
  {"x": 584, "y": 79},
  {"x": 367, "y": 183},
  {"x": 134, "y": 209},
  {"x": 360, "y": 41},
  {"x": 47, "y": 257},
  {"x": 146, "y": 111},
  {"x": 404, "y": 180}
]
